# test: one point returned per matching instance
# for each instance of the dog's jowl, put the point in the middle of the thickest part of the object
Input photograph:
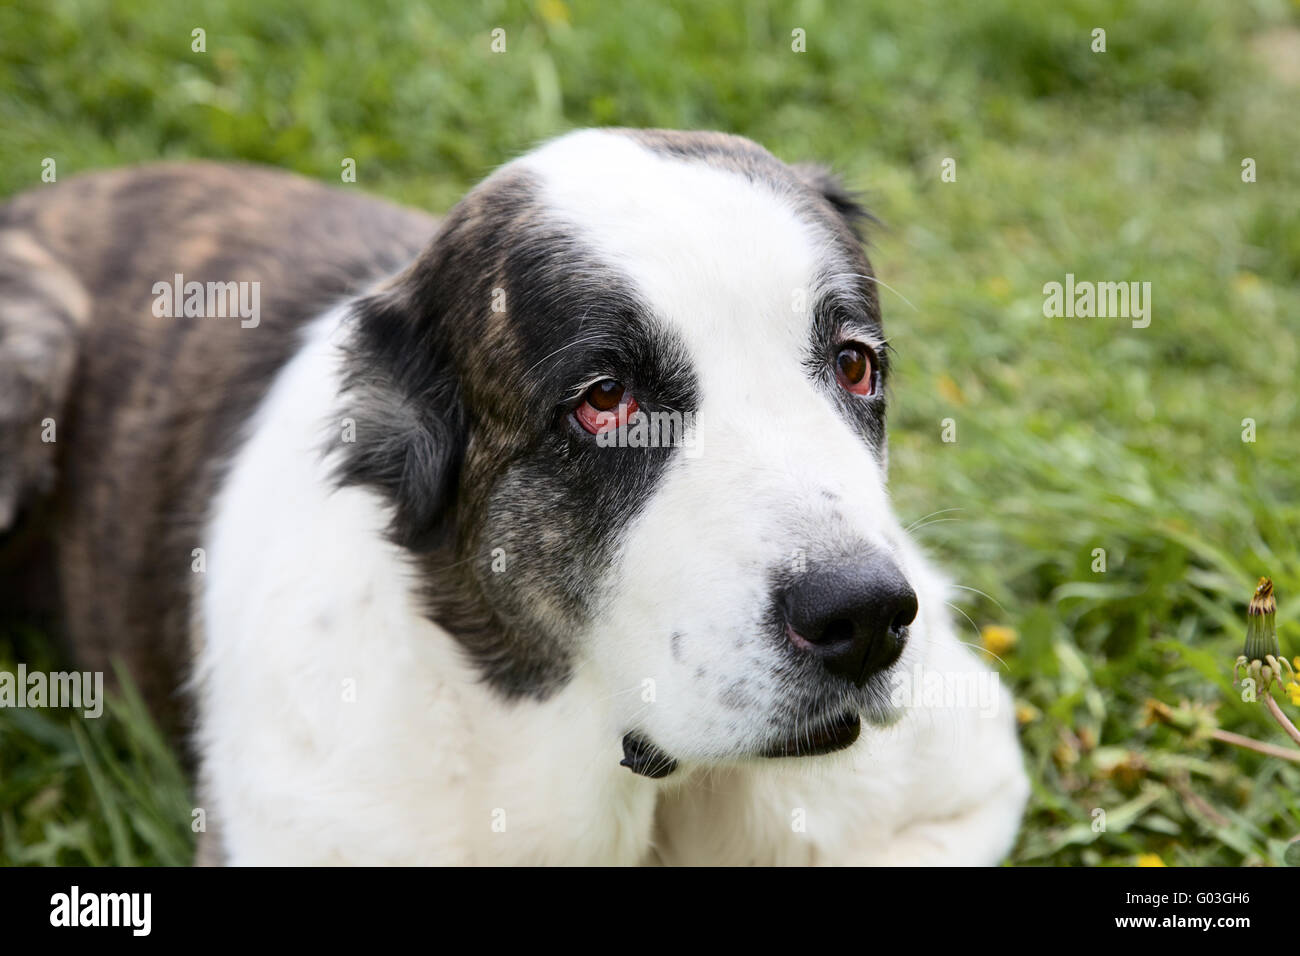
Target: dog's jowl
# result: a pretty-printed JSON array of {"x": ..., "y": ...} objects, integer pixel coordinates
[{"x": 553, "y": 532}]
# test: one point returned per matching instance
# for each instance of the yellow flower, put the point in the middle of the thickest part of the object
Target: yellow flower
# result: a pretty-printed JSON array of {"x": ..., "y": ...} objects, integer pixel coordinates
[
  {"x": 1245, "y": 282},
  {"x": 1150, "y": 859},
  {"x": 554, "y": 11},
  {"x": 998, "y": 639},
  {"x": 1293, "y": 691},
  {"x": 951, "y": 391},
  {"x": 1027, "y": 714},
  {"x": 1065, "y": 754}
]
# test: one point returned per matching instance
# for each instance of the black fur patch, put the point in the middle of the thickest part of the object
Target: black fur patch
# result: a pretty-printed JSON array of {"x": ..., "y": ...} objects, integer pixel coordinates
[{"x": 462, "y": 381}]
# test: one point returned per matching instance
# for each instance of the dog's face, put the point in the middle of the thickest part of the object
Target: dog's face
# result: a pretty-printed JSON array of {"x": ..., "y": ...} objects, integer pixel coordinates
[{"x": 629, "y": 409}]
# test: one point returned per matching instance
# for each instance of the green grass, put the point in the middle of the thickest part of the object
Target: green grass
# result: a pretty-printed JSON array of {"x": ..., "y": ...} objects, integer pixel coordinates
[
  {"x": 87, "y": 791},
  {"x": 1072, "y": 434}
]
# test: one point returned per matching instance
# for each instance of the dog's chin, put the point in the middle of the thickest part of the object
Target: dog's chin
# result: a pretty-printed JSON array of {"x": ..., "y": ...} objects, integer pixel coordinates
[
  {"x": 826, "y": 737},
  {"x": 643, "y": 757},
  {"x": 838, "y": 731}
]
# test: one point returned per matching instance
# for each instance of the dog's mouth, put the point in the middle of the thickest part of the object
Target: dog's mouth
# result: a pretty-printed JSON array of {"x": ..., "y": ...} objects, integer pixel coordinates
[
  {"x": 644, "y": 758},
  {"x": 834, "y": 735}
]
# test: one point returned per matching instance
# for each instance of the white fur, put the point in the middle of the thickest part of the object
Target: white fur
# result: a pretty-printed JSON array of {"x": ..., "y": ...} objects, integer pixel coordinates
[{"x": 303, "y": 594}]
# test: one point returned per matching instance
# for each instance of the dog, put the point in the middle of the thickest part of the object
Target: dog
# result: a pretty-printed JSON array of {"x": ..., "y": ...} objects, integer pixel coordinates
[{"x": 555, "y": 532}]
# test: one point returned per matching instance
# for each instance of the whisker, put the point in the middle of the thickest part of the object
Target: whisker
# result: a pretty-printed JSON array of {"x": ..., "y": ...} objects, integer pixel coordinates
[
  {"x": 928, "y": 523},
  {"x": 879, "y": 282},
  {"x": 980, "y": 645},
  {"x": 931, "y": 515},
  {"x": 983, "y": 593}
]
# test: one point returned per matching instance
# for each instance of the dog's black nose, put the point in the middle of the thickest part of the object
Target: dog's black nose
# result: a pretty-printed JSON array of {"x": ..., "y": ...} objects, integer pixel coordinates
[{"x": 852, "y": 616}]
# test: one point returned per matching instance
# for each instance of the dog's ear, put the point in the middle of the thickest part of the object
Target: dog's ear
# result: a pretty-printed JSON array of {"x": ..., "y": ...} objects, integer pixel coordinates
[
  {"x": 402, "y": 392},
  {"x": 842, "y": 199}
]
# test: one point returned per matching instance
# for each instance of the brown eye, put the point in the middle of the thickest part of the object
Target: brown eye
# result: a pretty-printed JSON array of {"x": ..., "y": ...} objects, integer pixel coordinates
[
  {"x": 605, "y": 405},
  {"x": 605, "y": 395},
  {"x": 855, "y": 368}
]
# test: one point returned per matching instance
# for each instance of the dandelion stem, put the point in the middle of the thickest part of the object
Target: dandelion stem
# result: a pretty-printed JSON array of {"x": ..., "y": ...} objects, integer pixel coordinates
[
  {"x": 1271, "y": 750},
  {"x": 1281, "y": 717}
]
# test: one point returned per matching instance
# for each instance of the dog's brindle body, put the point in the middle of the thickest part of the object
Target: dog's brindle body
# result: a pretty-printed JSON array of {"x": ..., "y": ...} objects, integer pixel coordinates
[
  {"x": 153, "y": 405},
  {"x": 461, "y": 451}
]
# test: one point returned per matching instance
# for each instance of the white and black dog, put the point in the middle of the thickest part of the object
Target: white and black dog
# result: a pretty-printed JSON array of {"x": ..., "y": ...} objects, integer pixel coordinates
[{"x": 555, "y": 532}]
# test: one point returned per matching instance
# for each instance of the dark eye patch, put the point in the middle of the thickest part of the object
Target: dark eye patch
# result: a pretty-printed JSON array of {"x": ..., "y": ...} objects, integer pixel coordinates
[
  {"x": 851, "y": 312},
  {"x": 573, "y": 319}
]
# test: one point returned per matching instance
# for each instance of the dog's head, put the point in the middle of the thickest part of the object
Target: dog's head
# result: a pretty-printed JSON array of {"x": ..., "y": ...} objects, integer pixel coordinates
[{"x": 629, "y": 410}]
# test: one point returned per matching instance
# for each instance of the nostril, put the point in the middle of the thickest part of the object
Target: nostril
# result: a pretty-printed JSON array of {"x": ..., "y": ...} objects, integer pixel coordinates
[
  {"x": 906, "y": 613},
  {"x": 838, "y": 631}
]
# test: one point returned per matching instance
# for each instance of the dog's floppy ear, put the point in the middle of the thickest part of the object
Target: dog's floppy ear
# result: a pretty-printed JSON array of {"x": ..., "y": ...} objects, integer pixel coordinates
[
  {"x": 831, "y": 188},
  {"x": 403, "y": 394}
]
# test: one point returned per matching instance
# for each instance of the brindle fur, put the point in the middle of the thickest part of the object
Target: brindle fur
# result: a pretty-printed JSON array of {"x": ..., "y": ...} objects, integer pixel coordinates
[{"x": 153, "y": 405}]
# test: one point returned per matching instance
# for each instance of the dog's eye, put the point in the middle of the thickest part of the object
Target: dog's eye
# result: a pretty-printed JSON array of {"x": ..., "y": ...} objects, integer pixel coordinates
[
  {"x": 605, "y": 405},
  {"x": 855, "y": 368}
]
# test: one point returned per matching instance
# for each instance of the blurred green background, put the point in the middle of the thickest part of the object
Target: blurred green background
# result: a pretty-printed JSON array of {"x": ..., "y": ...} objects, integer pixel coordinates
[{"x": 1072, "y": 434}]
